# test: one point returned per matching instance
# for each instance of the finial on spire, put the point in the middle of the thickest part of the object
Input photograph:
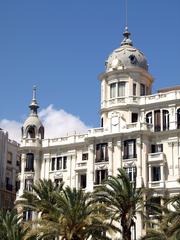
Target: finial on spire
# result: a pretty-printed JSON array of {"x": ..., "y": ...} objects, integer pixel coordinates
[
  {"x": 34, "y": 105},
  {"x": 126, "y": 34},
  {"x": 34, "y": 92}
]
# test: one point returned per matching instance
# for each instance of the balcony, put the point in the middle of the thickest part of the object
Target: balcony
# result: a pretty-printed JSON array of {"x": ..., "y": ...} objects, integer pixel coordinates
[
  {"x": 157, "y": 184},
  {"x": 156, "y": 157}
]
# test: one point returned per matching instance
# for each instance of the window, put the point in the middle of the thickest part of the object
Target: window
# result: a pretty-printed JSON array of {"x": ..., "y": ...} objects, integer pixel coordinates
[
  {"x": 155, "y": 148},
  {"x": 83, "y": 181},
  {"x": 59, "y": 163},
  {"x": 17, "y": 185},
  {"x": 152, "y": 203},
  {"x": 149, "y": 118},
  {"x": 178, "y": 118},
  {"x": 121, "y": 89},
  {"x": 165, "y": 120},
  {"x": 28, "y": 185},
  {"x": 134, "y": 89},
  {"x": 58, "y": 181},
  {"x": 142, "y": 90},
  {"x": 102, "y": 122},
  {"x": 84, "y": 156},
  {"x": 29, "y": 162},
  {"x": 27, "y": 215},
  {"x": 156, "y": 173},
  {"x": 113, "y": 90},
  {"x": 9, "y": 157},
  {"x": 157, "y": 121},
  {"x": 100, "y": 176},
  {"x": 129, "y": 149},
  {"x": 64, "y": 162},
  {"x": 31, "y": 132},
  {"x": 101, "y": 152},
  {"x": 9, "y": 186},
  {"x": 131, "y": 172},
  {"x": 53, "y": 164},
  {"x": 134, "y": 117}
]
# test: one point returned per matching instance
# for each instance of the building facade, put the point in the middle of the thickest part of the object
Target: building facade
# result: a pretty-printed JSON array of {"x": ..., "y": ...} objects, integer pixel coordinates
[
  {"x": 139, "y": 132},
  {"x": 9, "y": 168}
]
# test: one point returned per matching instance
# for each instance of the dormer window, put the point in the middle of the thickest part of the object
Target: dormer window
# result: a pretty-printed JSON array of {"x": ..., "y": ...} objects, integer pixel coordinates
[{"x": 133, "y": 59}]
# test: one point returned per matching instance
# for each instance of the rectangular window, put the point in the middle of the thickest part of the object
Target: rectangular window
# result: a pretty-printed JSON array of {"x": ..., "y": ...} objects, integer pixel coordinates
[
  {"x": 29, "y": 162},
  {"x": 134, "y": 89},
  {"x": 165, "y": 120},
  {"x": 28, "y": 184},
  {"x": 9, "y": 157},
  {"x": 131, "y": 172},
  {"x": 121, "y": 89},
  {"x": 156, "y": 173},
  {"x": 84, "y": 156},
  {"x": 155, "y": 148},
  {"x": 129, "y": 149},
  {"x": 64, "y": 162},
  {"x": 101, "y": 152},
  {"x": 59, "y": 163},
  {"x": 152, "y": 203},
  {"x": 9, "y": 186},
  {"x": 113, "y": 90},
  {"x": 157, "y": 121},
  {"x": 53, "y": 164},
  {"x": 134, "y": 117},
  {"x": 83, "y": 181},
  {"x": 142, "y": 90},
  {"x": 58, "y": 181},
  {"x": 100, "y": 176}
]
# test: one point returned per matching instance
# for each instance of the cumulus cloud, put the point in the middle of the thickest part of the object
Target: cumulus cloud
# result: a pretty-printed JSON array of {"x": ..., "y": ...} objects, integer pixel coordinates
[
  {"x": 60, "y": 123},
  {"x": 57, "y": 123}
]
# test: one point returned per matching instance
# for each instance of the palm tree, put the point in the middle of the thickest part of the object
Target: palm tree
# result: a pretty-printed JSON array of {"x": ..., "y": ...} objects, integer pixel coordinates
[
  {"x": 122, "y": 199},
  {"x": 69, "y": 213},
  {"x": 11, "y": 227},
  {"x": 167, "y": 221}
]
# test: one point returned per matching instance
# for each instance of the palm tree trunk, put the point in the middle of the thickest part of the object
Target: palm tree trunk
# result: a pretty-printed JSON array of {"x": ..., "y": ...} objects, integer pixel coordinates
[{"x": 126, "y": 231}]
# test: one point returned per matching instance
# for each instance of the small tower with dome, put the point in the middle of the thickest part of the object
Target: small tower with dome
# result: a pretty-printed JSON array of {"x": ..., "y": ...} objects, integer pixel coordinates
[
  {"x": 31, "y": 144},
  {"x": 125, "y": 80}
]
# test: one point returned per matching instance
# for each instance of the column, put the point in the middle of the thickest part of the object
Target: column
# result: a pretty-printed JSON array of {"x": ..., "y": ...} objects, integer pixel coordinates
[
  {"x": 119, "y": 162},
  {"x": 150, "y": 176},
  {"x": 110, "y": 155},
  {"x": 139, "y": 163},
  {"x": 90, "y": 168},
  {"x": 23, "y": 161}
]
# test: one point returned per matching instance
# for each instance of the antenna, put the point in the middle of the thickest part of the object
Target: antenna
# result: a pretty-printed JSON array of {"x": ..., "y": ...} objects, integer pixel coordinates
[{"x": 126, "y": 12}]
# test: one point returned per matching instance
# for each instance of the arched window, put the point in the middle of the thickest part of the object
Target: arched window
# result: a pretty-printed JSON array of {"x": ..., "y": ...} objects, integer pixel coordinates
[
  {"x": 178, "y": 118},
  {"x": 29, "y": 162},
  {"x": 31, "y": 132},
  {"x": 165, "y": 120},
  {"x": 149, "y": 118},
  {"x": 41, "y": 132}
]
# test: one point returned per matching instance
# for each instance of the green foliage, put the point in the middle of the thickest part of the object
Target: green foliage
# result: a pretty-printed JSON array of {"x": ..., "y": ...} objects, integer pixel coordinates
[{"x": 122, "y": 199}]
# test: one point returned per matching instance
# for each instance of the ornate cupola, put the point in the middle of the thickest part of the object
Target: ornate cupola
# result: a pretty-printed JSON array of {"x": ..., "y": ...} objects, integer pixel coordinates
[
  {"x": 125, "y": 80},
  {"x": 32, "y": 127}
]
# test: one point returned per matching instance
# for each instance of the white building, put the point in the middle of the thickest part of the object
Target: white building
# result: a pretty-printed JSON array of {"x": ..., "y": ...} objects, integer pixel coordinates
[
  {"x": 9, "y": 168},
  {"x": 140, "y": 132}
]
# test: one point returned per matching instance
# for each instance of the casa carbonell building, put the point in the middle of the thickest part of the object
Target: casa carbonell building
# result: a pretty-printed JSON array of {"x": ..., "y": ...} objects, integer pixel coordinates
[{"x": 140, "y": 132}]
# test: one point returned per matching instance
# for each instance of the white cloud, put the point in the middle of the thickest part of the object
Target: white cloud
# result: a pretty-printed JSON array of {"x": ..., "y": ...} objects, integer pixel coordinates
[
  {"x": 57, "y": 123},
  {"x": 60, "y": 123}
]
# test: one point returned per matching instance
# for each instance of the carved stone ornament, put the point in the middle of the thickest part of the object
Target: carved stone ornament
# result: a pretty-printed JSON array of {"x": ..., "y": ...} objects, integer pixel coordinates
[
  {"x": 29, "y": 176},
  {"x": 100, "y": 167},
  {"x": 58, "y": 175}
]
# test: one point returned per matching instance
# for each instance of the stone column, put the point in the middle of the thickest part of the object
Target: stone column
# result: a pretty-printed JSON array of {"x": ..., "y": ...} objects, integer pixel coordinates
[
  {"x": 119, "y": 158},
  {"x": 23, "y": 162},
  {"x": 90, "y": 168},
  {"x": 139, "y": 162},
  {"x": 110, "y": 155}
]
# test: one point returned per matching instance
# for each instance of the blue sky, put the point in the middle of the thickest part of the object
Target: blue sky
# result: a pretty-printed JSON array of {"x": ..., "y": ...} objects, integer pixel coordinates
[{"x": 61, "y": 46}]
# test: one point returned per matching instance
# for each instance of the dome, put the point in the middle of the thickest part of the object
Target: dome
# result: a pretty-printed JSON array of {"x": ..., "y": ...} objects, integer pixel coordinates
[
  {"x": 32, "y": 121},
  {"x": 126, "y": 56},
  {"x": 32, "y": 127}
]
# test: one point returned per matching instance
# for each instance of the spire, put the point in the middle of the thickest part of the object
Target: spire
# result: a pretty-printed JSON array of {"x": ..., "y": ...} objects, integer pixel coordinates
[
  {"x": 34, "y": 105},
  {"x": 126, "y": 40}
]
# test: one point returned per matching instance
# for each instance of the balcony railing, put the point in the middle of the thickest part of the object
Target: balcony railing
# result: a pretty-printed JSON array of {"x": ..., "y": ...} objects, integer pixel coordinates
[{"x": 156, "y": 157}]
